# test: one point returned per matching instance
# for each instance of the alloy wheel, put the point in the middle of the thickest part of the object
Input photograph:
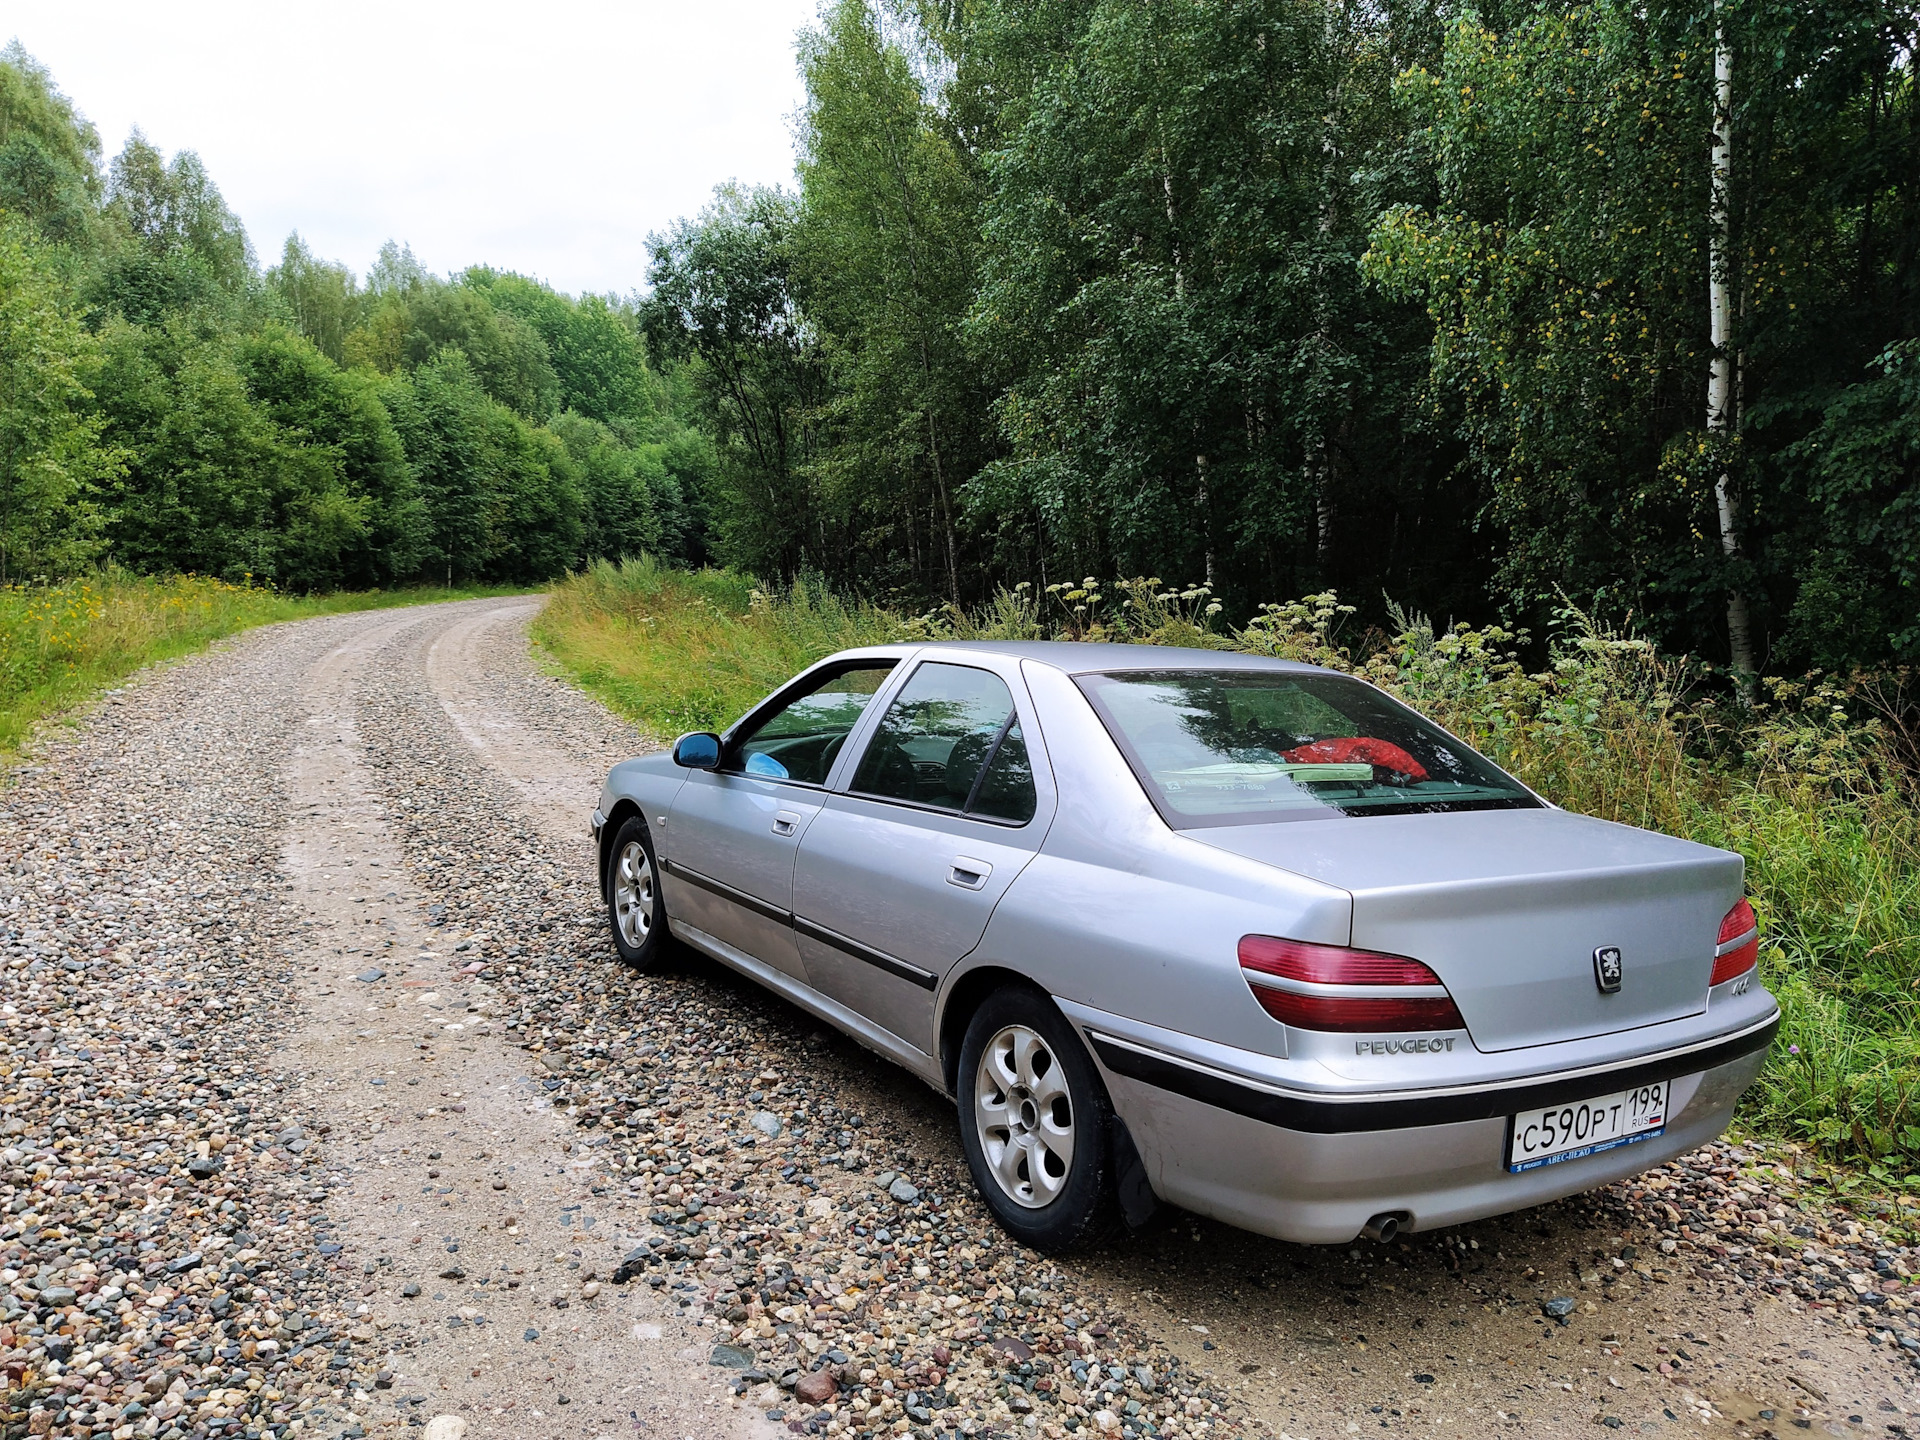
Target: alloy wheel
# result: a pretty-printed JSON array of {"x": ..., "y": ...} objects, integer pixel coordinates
[
  {"x": 633, "y": 897},
  {"x": 1024, "y": 1113}
]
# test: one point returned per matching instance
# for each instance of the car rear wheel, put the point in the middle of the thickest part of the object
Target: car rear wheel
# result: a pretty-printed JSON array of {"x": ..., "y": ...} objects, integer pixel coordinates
[
  {"x": 1035, "y": 1123},
  {"x": 635, "y": 911}
]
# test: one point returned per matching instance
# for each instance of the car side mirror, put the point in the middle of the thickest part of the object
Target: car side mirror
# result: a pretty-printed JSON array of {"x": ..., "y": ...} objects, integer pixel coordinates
[{"x": 698, "y": 751}]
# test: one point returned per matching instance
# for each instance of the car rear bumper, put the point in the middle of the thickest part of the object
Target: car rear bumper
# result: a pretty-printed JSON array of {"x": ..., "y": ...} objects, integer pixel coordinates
[{"x": 1316, "y": 1169}]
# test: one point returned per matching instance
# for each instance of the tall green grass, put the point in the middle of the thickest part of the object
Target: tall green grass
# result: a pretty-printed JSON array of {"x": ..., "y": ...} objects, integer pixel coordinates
[
  {"x": 1808, "y": 785},
  {"x": 60, "y": 644}
]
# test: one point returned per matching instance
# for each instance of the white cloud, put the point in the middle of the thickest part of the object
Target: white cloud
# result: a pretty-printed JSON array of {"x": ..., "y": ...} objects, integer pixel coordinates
[{"x": 547, "y": 139}]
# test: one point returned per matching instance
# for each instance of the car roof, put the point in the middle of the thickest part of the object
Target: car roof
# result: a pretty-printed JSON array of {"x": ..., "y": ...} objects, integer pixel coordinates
[{"x": 1079, "y": 657}]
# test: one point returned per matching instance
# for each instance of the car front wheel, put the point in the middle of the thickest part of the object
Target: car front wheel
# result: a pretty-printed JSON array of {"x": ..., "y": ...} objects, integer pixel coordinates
[
  {"x": 634, "y": 908},
  {"x": 1036, "y": 1124}
]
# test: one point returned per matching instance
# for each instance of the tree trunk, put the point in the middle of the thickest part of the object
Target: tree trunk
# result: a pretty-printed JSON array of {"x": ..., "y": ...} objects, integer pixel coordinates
[
  {"x": 6, "y": 515},
  {"x": 1205, "y": 499},
  {"x": 1319, "y": 460},
  {"x": 940, "y": 484},
  {"x": 1720, "y": 380}
]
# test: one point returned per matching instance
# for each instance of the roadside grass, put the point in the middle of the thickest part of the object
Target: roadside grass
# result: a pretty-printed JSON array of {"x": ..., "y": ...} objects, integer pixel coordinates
[
  {"x": 677, "y": 650},
  {"x": 62, "y": 644},
  {"x": 1813, "y": 785}
]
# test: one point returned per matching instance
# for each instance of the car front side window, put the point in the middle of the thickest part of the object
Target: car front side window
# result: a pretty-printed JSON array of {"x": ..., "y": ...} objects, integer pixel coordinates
[
  {"x": 802, "y": 738},
  {"x": 951, "y": 740}
]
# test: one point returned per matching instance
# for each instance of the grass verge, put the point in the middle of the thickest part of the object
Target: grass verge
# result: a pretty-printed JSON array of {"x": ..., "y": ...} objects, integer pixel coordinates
[
  {"x": 62, "y": 644},
  {"x": 1809, "y": 785}
]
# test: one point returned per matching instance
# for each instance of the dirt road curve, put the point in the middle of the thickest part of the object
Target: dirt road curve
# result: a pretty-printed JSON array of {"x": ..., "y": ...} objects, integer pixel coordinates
[{"x": 327, "y": 1111}]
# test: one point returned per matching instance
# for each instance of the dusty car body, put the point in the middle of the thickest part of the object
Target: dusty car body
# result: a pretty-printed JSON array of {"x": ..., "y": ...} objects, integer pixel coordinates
[{"x": 1329, "y": 983}]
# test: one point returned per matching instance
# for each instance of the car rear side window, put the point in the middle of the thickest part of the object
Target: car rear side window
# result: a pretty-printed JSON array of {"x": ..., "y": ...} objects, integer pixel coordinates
[
  {"x": 1241, "y": 747},
  {"x": 951, "y": 739},
  {"x": 1005, "y": 790},
  {"x": 801, "y": 739}
]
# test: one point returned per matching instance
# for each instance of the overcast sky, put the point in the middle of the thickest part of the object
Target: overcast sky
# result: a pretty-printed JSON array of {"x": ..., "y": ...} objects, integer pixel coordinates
[{"x": 546, "y": 138}]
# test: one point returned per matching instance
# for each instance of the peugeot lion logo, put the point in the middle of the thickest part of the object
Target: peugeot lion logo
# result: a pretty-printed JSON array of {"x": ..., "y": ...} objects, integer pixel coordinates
[{"x": 1607, "y": 971}]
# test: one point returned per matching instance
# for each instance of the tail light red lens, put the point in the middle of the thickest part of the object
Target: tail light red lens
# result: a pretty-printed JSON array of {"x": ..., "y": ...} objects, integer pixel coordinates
[
  {"x": 1329, "y": 987},
  {"x": 1738, "y": 950}
]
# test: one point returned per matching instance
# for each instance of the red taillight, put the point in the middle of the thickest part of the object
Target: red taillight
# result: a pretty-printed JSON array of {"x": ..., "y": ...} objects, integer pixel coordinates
[
  {"x": 1738, "y": 950},
  {"x": 1328, "y": 987}
]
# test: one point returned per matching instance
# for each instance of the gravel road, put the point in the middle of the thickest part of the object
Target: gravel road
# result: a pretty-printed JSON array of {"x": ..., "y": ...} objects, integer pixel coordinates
[{"x": 327, "y": 1110}]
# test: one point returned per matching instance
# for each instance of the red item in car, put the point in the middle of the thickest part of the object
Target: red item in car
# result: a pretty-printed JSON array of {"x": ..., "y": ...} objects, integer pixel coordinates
[{"x": 1358, "y": 749}]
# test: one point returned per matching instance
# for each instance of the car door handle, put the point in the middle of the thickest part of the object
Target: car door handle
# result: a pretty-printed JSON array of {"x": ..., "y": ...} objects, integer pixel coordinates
[
  {"x": 968, "y": 873},
  {"x": 785, "y": 822}
]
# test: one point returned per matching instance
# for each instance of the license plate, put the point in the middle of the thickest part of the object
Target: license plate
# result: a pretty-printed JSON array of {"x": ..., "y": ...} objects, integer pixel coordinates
[{"x": 1585, "y": 1127}]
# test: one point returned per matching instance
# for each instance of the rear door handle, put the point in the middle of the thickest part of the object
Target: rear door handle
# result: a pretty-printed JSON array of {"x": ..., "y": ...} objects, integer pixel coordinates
[
  {"x": 785, "y": 822},
  {"x": 968, "y": 873}
]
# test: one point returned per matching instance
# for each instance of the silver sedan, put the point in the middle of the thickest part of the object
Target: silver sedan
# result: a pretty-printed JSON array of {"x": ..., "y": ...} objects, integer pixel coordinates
[{"x": 1238, "y": 935}]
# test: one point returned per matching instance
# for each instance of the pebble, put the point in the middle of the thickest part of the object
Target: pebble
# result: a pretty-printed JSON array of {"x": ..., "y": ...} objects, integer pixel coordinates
[{"x": 816, "y": 1387}]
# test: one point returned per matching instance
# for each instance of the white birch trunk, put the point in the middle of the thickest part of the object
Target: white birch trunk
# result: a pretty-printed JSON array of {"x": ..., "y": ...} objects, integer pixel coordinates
[{"x": 1720, "y": 380}]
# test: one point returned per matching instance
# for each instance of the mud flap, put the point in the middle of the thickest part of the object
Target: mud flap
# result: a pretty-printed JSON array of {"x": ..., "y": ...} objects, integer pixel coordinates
[{"x": 1138, "y": 1203}]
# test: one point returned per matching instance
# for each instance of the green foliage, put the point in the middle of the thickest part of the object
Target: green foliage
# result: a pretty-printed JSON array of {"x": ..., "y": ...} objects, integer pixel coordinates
[
  {"x": 1401, "y": 301},
  {"x": 722, "y": 305},
  {"x": 618, "y": 487},
  {"x": 52, "y": 458},
  {"x": 167, "y": 406},
  {"x": 507, "y": 356},
  {"x": 1561, "y": 264},
  {"x": 176, "y": 246},
  {"x": 212, "y": 483},
  {"x": 886, "y": 250},
  {"x": 1859, "y": 471},
  {"x": 1196, "y": 378},
  {"x": 1562, "y": 259},
  {"x": 593, "y": 346},
  {"x": 49, "y": 155},
  {"x": 684, "y": 650},
  {"x": 502, "y": 497},
  {"x": 322, "y": 299},
  {"x": 319, "y": 405}
]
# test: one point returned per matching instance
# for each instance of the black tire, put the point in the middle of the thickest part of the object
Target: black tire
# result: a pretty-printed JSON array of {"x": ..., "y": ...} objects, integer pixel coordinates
[
  {"x": 636, "y": 914},
  {"x": 1040, "y": 1197}
]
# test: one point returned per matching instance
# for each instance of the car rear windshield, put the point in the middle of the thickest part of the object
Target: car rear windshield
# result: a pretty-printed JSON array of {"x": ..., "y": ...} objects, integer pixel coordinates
[{"x": 1247, "y": 747}]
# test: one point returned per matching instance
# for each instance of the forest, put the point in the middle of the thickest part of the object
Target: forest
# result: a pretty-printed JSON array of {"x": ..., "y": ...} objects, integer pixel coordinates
[
  {"x": 1413, "y": 301},
  {"x": 170, "y": 406},
  {"x": 1476, "y": 311}
]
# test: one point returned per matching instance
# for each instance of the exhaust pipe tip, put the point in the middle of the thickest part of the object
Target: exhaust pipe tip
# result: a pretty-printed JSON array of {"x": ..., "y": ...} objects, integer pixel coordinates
[{"x": 1384, "y": 1227}]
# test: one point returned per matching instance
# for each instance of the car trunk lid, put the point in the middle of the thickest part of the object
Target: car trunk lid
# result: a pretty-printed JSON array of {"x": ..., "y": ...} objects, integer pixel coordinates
[{"x": 1509, "y": 908}]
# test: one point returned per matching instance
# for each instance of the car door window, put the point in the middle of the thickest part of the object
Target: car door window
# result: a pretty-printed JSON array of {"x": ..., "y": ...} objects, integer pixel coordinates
[
  {"x": 802, "y": 738},
  {"x": 941, "y": 741},
  {"x": 1005, "y": 788}
]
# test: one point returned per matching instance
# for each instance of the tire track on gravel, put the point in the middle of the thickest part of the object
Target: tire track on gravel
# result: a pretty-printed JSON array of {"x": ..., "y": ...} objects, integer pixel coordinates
[
  {"x": 465, "y": 1214},
  {"x": 166, "y": 1195}
]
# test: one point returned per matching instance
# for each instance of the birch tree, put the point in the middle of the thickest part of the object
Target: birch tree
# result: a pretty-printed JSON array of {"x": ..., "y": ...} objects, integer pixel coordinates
[{"x": 1722, "y": 382}]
